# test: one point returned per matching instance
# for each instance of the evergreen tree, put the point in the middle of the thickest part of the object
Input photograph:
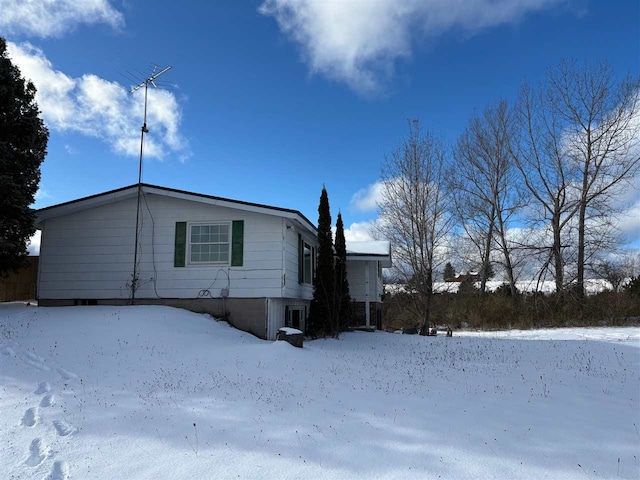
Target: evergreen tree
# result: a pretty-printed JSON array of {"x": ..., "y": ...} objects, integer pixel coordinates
[
  {"x": 343, "y": 299},
  {"x": 322, "y": 313},
  {"x": 468, "y": 285},
  {"x": 23, "y": 144},
  {"x": 633, "y": 287},
  {"x": 449, "y": 273}
]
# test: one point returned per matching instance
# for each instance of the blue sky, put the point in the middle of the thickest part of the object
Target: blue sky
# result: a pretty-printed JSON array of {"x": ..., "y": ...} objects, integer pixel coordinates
[{"x": 268, "y": 101}]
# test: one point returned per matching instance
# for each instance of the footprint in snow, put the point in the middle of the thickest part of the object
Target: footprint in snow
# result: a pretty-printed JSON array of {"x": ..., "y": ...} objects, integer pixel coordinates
[
  {"x": 63, "y": 428},
  {"x": 66, "y": 374},
  {"x": 9, "y": 351},
  {"x": 5, "y": 349},
  {"x": 30, "y": 417},
  {"x": 43, "y": 387},
  {"x": 48, "y": 400},
  {"x": 33, "y": 357},
  {"x": 60, "y": 471},
  {"x": 37, "y": 452},
  {"x": 35, "y": 361}
]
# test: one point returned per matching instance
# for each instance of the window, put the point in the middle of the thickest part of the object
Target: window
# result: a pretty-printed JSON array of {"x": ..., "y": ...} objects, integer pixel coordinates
[
  {"x": 294, "y": 316},
  {"x": 306, "y": 261},
  {"x": 307, "y": 264},
  {"x": 209, "y": 243}
]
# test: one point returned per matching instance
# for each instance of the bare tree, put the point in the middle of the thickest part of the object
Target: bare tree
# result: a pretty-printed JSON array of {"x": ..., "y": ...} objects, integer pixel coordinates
[
  {"x": 578, "y": 149},
  {"x": 600, "y": 128},
  {"x": 539, "y": 156},
  {"x": 617, "y": 269},
  {"x": 414, "y": 211},
  {"x": 485, "y": 189}
]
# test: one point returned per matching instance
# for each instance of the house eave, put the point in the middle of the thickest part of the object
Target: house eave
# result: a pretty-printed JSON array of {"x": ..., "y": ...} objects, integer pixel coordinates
[
  {"x": 361, "y": 257},
  {"x": 123, "y": 193}
]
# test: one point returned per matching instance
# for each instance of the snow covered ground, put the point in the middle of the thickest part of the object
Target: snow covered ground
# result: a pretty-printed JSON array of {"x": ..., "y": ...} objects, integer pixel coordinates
[{"x": 161, "y": 393}]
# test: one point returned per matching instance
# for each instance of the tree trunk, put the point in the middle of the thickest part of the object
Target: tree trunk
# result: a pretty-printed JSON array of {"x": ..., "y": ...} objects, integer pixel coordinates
[
  {"x": 487, "y": 253},
  {"x": 508, "y": 265},
  {"x": 427, "y": 309},
  {"x": 557, "y": 254},
  {"x": 509, "y": 268},
  {"x": 581, "y": 250}
]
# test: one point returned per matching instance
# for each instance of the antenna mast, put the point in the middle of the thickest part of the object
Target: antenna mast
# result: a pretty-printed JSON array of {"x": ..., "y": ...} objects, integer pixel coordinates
[{"x": 149, "y": 80}]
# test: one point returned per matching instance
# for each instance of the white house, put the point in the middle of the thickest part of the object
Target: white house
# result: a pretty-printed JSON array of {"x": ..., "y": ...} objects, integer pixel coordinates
[
  {"x": 365, "y": 261},
  {"x": 253, "y": 264}
]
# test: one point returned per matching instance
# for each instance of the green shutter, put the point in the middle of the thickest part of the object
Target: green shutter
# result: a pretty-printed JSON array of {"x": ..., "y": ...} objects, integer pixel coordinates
[
  {"x": 180, "y": 251},
  {"x": 300, "y": 259},
  {"x": 237, "y": 245}
]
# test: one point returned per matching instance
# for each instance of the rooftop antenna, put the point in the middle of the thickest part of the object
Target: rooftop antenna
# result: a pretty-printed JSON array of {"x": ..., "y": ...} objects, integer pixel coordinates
[{"x": 149, "y": 80}]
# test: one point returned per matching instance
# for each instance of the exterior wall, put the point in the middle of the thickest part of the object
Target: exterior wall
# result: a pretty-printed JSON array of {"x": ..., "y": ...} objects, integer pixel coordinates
[
  {"x": 276, "y": 312},
  {"x": 292, "y": 288},
  {"x": 89, "y": 255},
  {"x": 356, "y": 276},
  {"x": 379, "y": 281},
  {"x": 358, "y": 288},
  {"x": 248, "y": 314}
]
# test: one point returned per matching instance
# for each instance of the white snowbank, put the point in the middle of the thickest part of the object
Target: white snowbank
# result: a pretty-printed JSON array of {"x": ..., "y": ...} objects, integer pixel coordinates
[
  {"x": 290, "y": 331},
  {"x": 156, "y": 392},
  {"x": 370, "y": 247}
]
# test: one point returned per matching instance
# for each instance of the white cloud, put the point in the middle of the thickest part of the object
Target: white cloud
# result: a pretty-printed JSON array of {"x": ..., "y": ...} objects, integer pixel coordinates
[
  {"x": 98, "y": 108},
  {"x": 52, "y": 18},
  {"x": 34, "y": 244},
  {"x": 359, "y": 231},
  {"x": 629, "y": 223},
  {"x": 358, "y": 42},
  {"x": 366, "y": 199},
  {"x": 42, "y": 194},
  {"x": 70, "y": 149}
]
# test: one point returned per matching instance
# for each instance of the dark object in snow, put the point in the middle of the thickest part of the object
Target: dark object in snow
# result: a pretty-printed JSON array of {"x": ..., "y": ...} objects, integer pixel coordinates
[
  {"x": 449, "y": 332},
  {"x": 410, "y": 331},
  {"x": 292, "y": 336},
  {"x": 361, "y": 329}
]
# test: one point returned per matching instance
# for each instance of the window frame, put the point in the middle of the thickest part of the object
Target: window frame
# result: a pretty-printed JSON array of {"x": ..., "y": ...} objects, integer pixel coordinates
[
  {"x": 229, "y": 242},
  {"x": 307, "y": 258}
]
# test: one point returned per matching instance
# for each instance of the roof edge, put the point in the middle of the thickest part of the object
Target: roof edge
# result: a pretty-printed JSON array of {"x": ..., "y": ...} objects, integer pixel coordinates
[{"x": 180, "y": 192}]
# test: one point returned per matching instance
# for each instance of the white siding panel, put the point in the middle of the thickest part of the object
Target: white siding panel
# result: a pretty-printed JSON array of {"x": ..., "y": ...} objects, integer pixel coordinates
[
  {"x": 356, "y": 277},
  {"x": 275, "y": 317},
  {"x": 293, "y": 289},
  {"x": 89, "y": 254},
  {"x": 276, "y": 311}
]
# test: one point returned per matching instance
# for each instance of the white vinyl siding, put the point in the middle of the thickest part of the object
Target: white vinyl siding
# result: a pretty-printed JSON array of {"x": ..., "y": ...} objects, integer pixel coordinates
[
  {"x": 292, "y": 287},
  {"x": 89, "y": 254},
  {"x": 357, "y": 280},
  {"x": 276, "y": 310}
]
